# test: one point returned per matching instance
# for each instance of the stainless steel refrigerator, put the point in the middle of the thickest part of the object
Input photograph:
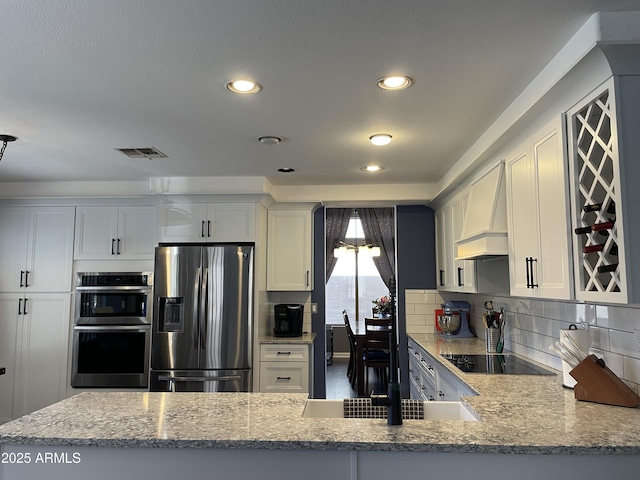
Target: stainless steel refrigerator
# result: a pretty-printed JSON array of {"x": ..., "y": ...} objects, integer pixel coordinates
[{"x": 202, "y": 317}]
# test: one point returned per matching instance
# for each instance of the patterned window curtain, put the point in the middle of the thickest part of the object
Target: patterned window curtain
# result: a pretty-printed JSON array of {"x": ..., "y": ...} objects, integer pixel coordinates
[
  {"x": 378, "y": 226},
  {"x": 336, "y": 223}
]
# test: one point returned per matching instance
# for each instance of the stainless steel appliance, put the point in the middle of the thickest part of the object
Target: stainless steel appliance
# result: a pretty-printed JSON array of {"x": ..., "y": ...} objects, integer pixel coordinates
[
  {"x": 202, "y": 318},
  {"x": 112, "y": 330}
]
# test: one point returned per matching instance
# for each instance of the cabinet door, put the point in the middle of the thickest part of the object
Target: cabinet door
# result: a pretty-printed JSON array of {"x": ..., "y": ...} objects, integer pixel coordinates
[
  {"x": 43, "y": 333},
  {"x": 50, "y": 249},
  {"x": 463, "y": 270},
  {"x": 14, "y": 232},
  {"x": 552, "y": 274},
  {"x": 183, "y": 222},
  {"x": 96, "y": 233},
  {"x": 136, "y": 233},
  {"x": 522, "y": 220},
  {"x": 289, "y": 250},
  {"x": 231, "y": 222},
  {"x": 8, "y": 341},
  {"x": 446, "y": 273}
]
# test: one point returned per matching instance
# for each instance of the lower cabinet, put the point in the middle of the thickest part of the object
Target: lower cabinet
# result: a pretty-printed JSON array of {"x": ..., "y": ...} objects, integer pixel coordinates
[
  {"x": 430, "y": 380},
  {"x": 33, "y": 350},
  {"x": 285, "y": 368}
]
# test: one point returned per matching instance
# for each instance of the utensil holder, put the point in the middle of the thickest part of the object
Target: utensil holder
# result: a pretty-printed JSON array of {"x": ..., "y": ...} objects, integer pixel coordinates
[
  {"x": 492, "y": 337},
  {"x": 596, "y": 383}
]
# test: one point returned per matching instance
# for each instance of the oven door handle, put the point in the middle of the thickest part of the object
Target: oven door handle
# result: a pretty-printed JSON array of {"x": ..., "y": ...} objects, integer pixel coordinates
[{"x": 139, "y": 328}]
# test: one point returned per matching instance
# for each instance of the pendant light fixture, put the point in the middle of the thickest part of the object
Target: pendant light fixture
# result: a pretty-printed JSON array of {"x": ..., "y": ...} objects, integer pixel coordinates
[{"x": 5, "y": 139}]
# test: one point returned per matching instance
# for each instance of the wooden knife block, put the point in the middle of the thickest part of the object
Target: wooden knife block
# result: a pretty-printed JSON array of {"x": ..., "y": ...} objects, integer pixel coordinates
[{"x": 596, "y": 383}]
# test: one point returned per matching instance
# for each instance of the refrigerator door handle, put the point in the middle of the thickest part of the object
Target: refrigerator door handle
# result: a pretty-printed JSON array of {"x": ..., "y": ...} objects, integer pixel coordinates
[
  {"x": 204, "y": 315},
  {"x": 173, "y": 379},
  {"x": 196, "y": 306}
]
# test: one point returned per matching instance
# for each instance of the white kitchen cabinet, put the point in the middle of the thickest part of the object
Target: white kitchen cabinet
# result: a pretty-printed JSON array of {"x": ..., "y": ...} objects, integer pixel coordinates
[
  {"x": 453, "y": 275},
  {"x": 38, "y": 326},
  {"x": 603, "y": 151},
  {"x": 285, "y": 368},
  {"x": 430, "y": 380},
  {"x": 36, "y": 248},
  {"x": 115, "y": 233},
  {"x": 207, "y": 222},
  {"x": 289, "y": 250},
  {"x": 537, "y": 218}
]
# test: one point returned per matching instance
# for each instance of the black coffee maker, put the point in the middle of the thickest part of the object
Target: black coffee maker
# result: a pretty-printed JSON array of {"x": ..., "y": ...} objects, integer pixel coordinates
[{"x": 288, "y": 320}]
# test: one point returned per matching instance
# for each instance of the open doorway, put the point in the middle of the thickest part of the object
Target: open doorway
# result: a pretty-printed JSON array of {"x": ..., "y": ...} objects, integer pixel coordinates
[{"x": 354, "y": 279}]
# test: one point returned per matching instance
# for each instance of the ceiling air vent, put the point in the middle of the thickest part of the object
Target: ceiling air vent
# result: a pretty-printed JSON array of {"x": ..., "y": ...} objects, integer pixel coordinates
[{"x": 149, "y": 152}]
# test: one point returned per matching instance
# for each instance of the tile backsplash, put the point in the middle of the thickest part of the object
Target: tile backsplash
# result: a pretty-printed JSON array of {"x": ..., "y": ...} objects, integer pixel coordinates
[{"x": 532, "y": 325}]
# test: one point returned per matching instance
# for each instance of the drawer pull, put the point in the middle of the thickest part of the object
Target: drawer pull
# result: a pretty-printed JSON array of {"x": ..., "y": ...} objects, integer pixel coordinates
[
  {"x": 284, "y": 353},
  {"x": 283, "y": 378}
]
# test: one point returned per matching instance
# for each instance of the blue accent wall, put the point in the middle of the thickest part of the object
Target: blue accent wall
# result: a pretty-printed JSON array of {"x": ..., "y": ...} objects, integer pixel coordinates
[
  {"x": 415, "y": 268},
  {"x": 317, "y": 297}
]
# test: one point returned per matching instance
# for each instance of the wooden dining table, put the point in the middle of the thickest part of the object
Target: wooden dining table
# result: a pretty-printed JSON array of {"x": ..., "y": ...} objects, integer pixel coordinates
[{"x": 359, "y": 332}]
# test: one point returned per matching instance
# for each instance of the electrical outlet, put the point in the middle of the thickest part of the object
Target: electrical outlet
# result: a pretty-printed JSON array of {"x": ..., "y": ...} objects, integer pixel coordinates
[{"x": 314, "y": 308}]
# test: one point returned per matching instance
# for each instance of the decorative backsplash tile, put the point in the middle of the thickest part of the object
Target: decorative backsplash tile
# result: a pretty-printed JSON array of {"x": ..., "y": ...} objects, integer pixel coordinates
[{"x": 532, "y": 325}]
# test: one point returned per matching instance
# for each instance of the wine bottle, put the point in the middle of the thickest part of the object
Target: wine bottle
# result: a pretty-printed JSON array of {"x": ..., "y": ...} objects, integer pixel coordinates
[
  {"x": 607, "y": 268},
  {"x": 596, "y": 207},
  {"x": 596, "y": 227},
  {"x": 593, "y": 248},
  {"x": 599, "y": 247},
  {"x": 581, "y": 230}
]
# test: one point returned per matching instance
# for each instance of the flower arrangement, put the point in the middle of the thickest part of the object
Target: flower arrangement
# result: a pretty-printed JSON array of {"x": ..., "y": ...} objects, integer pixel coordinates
[{"x": 382, "y": 305}]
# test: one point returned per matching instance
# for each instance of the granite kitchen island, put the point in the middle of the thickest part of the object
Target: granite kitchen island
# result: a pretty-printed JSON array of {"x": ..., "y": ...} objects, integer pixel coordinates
[{"x": 529, "y": 426}]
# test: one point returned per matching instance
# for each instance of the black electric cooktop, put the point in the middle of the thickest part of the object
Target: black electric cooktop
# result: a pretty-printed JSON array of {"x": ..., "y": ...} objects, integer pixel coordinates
[{"x": 497, "y": 364}]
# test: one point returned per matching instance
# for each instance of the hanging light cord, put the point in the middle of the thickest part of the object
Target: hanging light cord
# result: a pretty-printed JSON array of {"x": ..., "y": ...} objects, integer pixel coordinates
[{"x": 4, "y": 145}]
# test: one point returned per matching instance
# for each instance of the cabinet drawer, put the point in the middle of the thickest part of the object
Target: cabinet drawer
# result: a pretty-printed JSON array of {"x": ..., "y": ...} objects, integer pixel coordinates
[
  {"x": 278, "y": 377},
  {"x": 283, "y": 352}
]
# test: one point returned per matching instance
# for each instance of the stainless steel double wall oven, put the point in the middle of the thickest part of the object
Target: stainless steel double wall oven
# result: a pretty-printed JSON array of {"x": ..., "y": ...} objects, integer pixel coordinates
[{"x": 112, "y": 330}]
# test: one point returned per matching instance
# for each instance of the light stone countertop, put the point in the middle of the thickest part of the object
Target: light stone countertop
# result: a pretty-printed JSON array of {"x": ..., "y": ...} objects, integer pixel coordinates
[
  {"x": 305, "y": 338},
  {"x": 520, "y": 414}
]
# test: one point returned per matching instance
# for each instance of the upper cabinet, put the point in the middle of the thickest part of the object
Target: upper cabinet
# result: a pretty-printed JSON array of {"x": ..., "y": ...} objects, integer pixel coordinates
[
  {"x": 537, "y": 212},
  {"x": 453, "y": 275},
  {"x": 289, "y": 250},
  {"x": 603, "y": 147},
  {"x": 36, "y": 249},
  {"x": 207, "y": 222},
  {"x": 122, "y": 233}
]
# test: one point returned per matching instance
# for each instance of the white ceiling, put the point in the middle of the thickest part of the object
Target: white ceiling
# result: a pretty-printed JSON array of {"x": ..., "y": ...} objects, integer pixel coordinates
[{"x": 80, "y": 78}]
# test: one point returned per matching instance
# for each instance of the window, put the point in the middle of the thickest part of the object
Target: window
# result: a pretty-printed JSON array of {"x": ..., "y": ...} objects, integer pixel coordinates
[{"x": 341, "y": 287}]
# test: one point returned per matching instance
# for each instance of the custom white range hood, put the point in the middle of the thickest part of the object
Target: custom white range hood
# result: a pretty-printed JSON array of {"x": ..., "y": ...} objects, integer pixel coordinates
[{"x": 484, "y": 229}]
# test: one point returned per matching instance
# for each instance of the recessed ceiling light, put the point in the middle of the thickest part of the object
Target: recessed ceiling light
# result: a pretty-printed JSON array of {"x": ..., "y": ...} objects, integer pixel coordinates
[
  {"x": 394, "y": 82},
  {"x": 372, "y": 168},
  {"x": 270, "y": 140},
  {"x": 380, "y": 139},
  {"x": 243, "y": 86},
  {"x": 286, "y": 170}
]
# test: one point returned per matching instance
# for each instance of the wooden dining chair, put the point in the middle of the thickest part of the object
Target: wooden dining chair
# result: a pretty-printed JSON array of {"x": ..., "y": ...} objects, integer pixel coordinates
[
  {"x": 351, "y": 367},
  {"x": 375, "y": 349}
]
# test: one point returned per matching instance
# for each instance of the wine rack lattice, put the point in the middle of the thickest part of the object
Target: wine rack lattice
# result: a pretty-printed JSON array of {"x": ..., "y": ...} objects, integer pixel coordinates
[{"x": 597, "y": 233}]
